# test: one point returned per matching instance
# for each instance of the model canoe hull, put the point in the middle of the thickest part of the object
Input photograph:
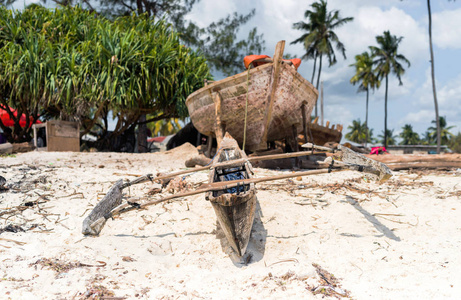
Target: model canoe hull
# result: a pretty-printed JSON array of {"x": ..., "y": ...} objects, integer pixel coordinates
[
  {"x": 236, "y": 222},
  {"x": 234, "y": 207}
]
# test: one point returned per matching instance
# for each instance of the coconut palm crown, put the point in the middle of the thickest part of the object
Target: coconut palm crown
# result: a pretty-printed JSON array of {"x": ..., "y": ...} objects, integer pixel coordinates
[
  {"x": 388, "y": 61},
  {"x": 319, "y": 38}
]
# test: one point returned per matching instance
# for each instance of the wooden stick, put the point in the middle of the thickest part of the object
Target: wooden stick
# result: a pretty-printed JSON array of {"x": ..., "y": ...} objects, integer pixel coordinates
[
  {"x": 149, "y": 177},
  {"x": 295, "y": 137},
  {"x": 219, "y": 130},
  {"x": 304, "y": 112},
  {"x": 94, "y": 227},
  {"x": 215, "y": 186},
  {"x": 16, "y": 242},
  {"x": 278, "y": 55},
  {"x": 209, "y": 145},
  {"x": 310, "y": 145}
]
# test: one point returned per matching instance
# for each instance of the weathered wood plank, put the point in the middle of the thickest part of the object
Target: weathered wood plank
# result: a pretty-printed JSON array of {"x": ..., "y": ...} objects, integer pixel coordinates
[{"x": 278, "y": 56}]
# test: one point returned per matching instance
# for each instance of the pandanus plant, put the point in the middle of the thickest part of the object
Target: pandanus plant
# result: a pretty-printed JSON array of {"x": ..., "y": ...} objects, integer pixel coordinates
[{"x": 79, "y": 66}]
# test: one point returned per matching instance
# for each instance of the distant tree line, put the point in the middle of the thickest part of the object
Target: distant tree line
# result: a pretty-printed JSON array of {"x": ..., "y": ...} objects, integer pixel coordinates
[
  {"x": 358, "y": 133},
  {"x": 371, "y": 68}
]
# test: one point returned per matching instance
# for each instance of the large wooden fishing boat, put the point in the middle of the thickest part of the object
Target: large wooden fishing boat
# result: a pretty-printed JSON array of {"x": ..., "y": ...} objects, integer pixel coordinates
[
  {"x": 271, "y": 101},
  {"x": 234, "y": 207}
]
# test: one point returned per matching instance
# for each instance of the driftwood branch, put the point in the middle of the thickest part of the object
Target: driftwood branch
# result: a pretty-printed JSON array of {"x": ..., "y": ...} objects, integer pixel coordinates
[{"x": 415, "y": 161}]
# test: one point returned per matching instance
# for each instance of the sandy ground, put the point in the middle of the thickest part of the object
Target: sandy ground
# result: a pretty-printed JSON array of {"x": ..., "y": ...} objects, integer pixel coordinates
[{"x": 335, "y": 234}]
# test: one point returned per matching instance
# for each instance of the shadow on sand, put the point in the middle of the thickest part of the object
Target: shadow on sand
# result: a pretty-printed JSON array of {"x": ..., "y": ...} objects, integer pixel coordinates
[{"x": 370, "y": 218}]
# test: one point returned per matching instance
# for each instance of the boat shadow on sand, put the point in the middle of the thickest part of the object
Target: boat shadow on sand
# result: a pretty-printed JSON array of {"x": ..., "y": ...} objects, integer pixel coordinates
[{"x": 256, "y": 245}]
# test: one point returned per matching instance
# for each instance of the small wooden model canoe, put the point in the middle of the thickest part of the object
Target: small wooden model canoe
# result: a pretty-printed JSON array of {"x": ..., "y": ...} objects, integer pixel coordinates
[
  {"x": 273, "y": 95},
  {"x": 234, "y": 207}
]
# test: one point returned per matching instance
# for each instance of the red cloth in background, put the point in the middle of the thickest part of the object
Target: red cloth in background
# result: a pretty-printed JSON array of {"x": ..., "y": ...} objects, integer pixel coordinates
[
  {"x": 378, "y": 150},
  {"x": 8, "y": 122}
]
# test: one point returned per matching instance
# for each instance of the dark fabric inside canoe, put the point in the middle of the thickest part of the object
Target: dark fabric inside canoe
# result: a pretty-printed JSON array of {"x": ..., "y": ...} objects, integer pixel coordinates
[{"x": 228, "y": 175}]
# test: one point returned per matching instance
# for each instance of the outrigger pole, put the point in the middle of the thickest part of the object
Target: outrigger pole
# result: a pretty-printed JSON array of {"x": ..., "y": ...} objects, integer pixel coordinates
[{"x": 342, "y": 159}]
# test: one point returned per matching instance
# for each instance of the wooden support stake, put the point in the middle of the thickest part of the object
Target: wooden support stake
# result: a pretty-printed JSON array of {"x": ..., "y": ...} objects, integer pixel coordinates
[
  {"x": 295, "y": 138},
  {"x": 304, "y": 112},
  {"x": 219, "y": 127},
  {"x": 209, "y": 144},
  {"x": 295, "y": 144},
  {"x": 321, "y": 103},
  {"x": 277, "y": 64}
]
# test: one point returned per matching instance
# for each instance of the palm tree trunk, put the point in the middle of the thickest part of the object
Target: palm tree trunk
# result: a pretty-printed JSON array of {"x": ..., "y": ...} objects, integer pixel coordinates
[
  {"x": 366, "y": 121},
  {"x": 385, "y": 114},
  {"x": 433, "y": 78},
  {"x": 313, "y": 71},
  {"x": 312, "y": 80},
  {"x": 318, "y": 82}
]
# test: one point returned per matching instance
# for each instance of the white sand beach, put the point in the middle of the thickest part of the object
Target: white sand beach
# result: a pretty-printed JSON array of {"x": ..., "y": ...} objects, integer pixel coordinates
[{"x": 333, "y": 235}]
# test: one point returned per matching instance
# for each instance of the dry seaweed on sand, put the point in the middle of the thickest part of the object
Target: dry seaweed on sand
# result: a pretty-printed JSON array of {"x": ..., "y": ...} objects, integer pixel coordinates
[
  {"x": 12, "y": 228},
  {"x": 329, "y": 284},
  {"x": 98, "y": 291},
  {"x": 56, "y": 265},
  {"x": 60, "y": 266},
  {"x": 456, "y": 193},
  {"x": 177, "y": 185}
]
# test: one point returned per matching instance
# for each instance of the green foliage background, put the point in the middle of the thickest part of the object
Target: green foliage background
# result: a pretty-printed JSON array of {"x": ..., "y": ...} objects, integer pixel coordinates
[{"x": 77, "y": 65}]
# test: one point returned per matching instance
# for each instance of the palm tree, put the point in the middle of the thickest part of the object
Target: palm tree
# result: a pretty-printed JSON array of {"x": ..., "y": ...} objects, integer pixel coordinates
[
  {"x": 436, "y": 106},
  {"x": 427, "y": 138},
  {"x": 165, "y": 127},
  {"x": 445, "y": 134},
  {"x": 389, "y": 135},
  {"x": 365, "y": 74},
  {"x": 409, "y": 137},
  {"x": 359, "y": 133},
  {"x": 319, "y": 37},
  {"x": 388, "y": 61},
  {"x": 455, "y": 143}
]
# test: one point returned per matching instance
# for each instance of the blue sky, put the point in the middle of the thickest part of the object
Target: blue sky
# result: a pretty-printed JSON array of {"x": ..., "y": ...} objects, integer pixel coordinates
[{"x": 410, "y": 103}]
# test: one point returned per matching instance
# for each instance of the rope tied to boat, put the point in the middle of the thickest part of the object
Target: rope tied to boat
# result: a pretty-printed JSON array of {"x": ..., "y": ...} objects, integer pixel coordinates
[{"x": 246, "y": 109}]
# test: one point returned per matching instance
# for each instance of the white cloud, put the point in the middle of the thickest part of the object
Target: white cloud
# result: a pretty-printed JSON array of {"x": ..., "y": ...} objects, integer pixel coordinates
[
  {"x": 344, "y": 117},
  {"x": 419, "y": 116},
  {"x": 446, "y": 31},
  {"x": 207, "y": 11},
  {"x": 372, "y": 21},
  {"x": 450, "y": 95},
  {"x": 422, "y": 111}
]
